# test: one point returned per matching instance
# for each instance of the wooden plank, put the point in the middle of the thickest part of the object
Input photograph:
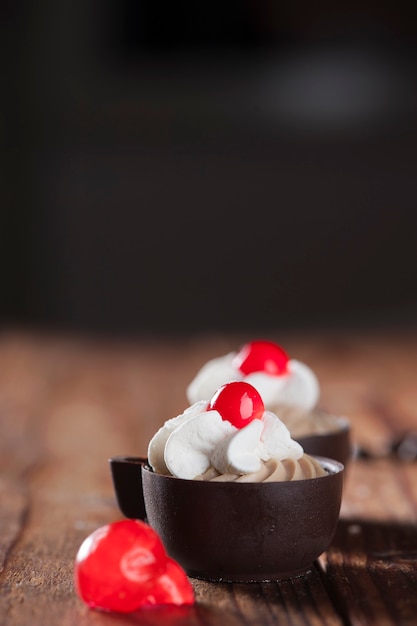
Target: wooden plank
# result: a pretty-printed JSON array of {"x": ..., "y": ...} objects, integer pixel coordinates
[
  {"x": 380, "y": 489},
  {"x": 372, "y": 572},
  {"x": 14, "y": 505},
  {"x": 298, "y": 601}
]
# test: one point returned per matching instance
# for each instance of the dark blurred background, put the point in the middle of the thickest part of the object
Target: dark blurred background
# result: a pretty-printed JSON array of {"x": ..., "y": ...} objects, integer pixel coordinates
[{"x": 192, "y": 166}]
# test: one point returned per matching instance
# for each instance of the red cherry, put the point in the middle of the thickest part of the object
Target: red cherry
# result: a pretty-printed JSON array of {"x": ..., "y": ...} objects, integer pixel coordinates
[
  {"x": 261, "y": 356},
  {"x": 172, "y": 587},
  {"x": 117, "y": 565},
  {"x": 238, "y": 402}
]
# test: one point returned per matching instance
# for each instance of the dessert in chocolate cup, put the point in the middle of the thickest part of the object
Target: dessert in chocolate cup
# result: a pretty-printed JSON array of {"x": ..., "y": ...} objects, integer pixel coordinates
[
  {"x": 231, "y": 501},
  {"x": 230, "y": 531},
  {"x": 288, "y": 387}
]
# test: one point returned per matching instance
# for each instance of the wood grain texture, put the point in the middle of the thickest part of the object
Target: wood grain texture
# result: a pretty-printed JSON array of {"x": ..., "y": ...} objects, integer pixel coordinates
[
  {"x": 372, "y": 571},
  {"x": 67, "y": 404}
]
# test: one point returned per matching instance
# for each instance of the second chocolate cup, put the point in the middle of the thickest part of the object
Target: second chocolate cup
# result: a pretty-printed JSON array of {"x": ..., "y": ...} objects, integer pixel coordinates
[{"x": 335, "y": 444}]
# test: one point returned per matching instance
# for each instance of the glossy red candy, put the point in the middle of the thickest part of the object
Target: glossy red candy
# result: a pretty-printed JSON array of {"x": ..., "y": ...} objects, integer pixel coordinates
[
  {"x": 172, "y": 587},
  {"x": 238, "y": 402},
  {"x": 261, "y": 356},
  {"x": 123, "y": 566}
]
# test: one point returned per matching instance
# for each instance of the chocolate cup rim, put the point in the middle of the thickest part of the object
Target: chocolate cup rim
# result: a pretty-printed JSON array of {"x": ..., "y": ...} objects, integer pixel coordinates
[
  {"x": 323, "y": 460},
  {"x": 142, "y": 461},
  {"x": 344, "y": 425},
  {"x": 336, "y": 443}
]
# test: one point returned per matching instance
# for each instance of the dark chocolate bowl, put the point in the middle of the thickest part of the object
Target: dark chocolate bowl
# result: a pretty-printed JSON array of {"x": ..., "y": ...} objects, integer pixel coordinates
[
  {"x": 229, "y": 531},
  {"x": 335, "y": 444}
]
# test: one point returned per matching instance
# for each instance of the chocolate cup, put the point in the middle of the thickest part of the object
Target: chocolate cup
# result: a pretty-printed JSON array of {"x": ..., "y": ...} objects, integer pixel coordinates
[
  {"x": 126, "y": 473},
  {"x": 238, "y": 532},
  {"x": 335, "y": 444}
]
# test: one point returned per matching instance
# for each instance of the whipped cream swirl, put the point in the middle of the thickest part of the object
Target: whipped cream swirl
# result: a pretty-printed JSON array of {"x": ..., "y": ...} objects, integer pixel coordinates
[
  {"x": 186, "y": 446},
  {"x": 271, "y": 471},
  {"x": 299, "y": 386}
]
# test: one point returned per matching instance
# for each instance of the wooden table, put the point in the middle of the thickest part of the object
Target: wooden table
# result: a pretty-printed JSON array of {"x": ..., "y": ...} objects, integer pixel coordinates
[{"x": 69, "y": 403}]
